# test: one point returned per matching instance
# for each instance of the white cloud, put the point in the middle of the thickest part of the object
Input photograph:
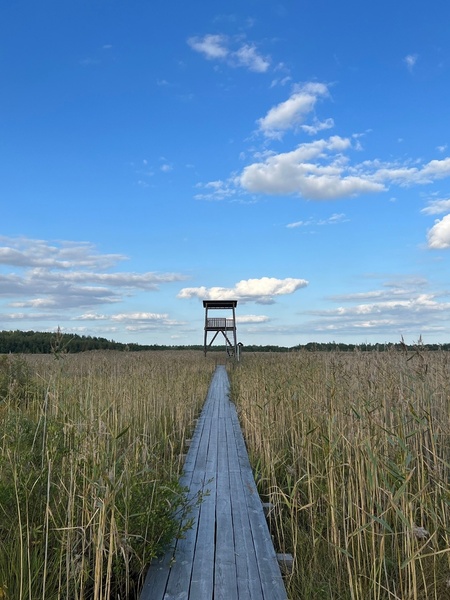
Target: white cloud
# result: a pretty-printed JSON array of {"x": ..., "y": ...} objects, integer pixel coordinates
[
  {"x": 435, "y": 169},
  {"x": 211, "y": 46},
  {"x": 260, "y": 291},
  {"x": 391, "y": 311},
  {"x": 139, "y": 316},
  {"x": 437, "y": 207},
  {"x": 320, "y": 169},
  {"x": 245, "y": 319},
  {"x": 292, "y": 112},
  {"x": 62, "y": 275},
  {"x": 410, "y": 61},
  {"x": 144, "y": 281},
  {"x": 25, "y": 252},
  {"x": 333, "y": 220},
  {"x": 231, "y": 50},
  {"x": 145, "y": 321},
  {"x": 300, "y": 172},
  {"x": 299, "y": 224},
  {"x": 247, "y": 56},
  {"x": 216, "y": 190},
  {"x": 318, "y": 126},
  {"x": 91, "y": 317},
  {"x": 439, "y": 234}
]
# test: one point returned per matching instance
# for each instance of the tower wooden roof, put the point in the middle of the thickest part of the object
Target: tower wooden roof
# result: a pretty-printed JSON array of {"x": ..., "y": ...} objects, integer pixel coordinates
[{"x": 220, "y": 303}]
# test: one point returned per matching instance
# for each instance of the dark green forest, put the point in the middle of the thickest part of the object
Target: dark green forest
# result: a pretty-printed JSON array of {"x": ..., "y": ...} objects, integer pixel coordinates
[{"x": 36, "y": 342}]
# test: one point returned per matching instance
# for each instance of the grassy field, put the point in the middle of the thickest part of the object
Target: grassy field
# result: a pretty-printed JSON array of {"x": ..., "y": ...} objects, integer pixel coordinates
[
  {"x": 90, "y": 454},
  {"x": 351, "y": 449}
]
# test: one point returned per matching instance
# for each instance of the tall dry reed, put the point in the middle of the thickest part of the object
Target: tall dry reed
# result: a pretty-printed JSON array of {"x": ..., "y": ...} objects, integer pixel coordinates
[
  {"x": 353, "y": 451},
  {"x": 90, "y": 454}
]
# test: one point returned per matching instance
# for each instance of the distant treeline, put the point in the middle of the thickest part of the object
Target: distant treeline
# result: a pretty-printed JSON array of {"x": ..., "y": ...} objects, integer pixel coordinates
[{"x": 35, "y": 342}]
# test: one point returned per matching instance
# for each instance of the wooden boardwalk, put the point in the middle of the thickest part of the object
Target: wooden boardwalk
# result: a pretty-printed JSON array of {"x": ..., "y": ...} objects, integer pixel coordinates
[{"x": 228, "y": 554}]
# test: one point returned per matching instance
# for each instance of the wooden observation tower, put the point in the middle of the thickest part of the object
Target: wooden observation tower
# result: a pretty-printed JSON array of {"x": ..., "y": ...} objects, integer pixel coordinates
[{"x": 226, "y": 325}]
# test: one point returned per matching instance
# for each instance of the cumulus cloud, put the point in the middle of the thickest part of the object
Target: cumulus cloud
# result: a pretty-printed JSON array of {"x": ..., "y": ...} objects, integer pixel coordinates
[
  {"x": 439, "y": 235},
  {"x": 230, "y": 50},
  {"x": 321, "y": 169},
  {"x": 290, "y": 113},
  {"x": 261, "y": 291},
  {"x": 313, "y": 170}
]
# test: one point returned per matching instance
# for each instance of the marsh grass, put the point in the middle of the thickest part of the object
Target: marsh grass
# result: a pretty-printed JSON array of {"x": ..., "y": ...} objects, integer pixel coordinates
[
  {"x": 90, "y": 454},
  {"x": 353, "y": 451}
]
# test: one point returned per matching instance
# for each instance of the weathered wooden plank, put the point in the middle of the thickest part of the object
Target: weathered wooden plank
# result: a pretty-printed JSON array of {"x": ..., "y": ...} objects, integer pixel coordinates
[
  {"x": 269, "y": 571},
  {"x": 202, "y": 579},
  {"x": 155, "y": 584},
  {"x": 160, "y": 570},
  {"x": 222, "y": 446},
  {"x": 225, "y": 575},
  {"x": 233, "y": 456},
  {"x": 213, "y": 446},
  {"x": 181, "y": 570},
  {"x": 202, "y": 451},
  {"x": 248, "y": 579},
  {"x": 189, "y": 463}
]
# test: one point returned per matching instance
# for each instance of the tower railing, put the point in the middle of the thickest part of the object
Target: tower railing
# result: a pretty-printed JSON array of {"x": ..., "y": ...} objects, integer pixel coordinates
[{"x": 220, "y": 323}]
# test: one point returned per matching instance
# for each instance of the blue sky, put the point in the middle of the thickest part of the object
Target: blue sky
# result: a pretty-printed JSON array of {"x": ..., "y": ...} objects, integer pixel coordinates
[{"x": 291, "y": 155}]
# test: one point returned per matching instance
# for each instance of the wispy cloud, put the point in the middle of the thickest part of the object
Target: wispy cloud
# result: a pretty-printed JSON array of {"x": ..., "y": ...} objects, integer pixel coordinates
[
  {"x": 212, "y": 46},
  {"x": 333, "y": 220},
  {"x": 26, "y": 252},
  {"x": 318, "y": 126},
  {"x": 261, "y": 291},
  {"x": 232, "y": 51},
  {"x": 410, "y": 61},
  {"x": 68, "y": 275},
  {"x": 247, "y": 319},
  {"x": 437, "y": 207},
  {"x": 407, "y": 308}
]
